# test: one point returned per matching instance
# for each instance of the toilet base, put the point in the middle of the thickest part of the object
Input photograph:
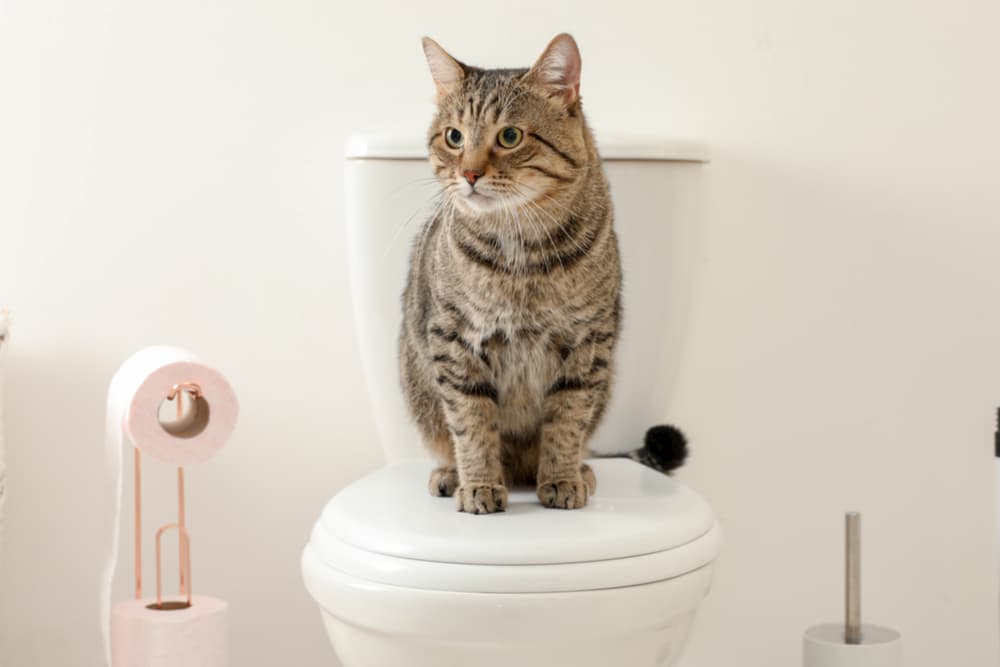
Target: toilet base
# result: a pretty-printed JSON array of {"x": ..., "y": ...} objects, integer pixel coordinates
[
  {"x": 361, "y": 647},
  {"x": 375, "y": 625}
]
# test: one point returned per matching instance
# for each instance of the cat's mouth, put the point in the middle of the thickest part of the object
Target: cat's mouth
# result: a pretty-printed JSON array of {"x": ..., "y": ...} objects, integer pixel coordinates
[
  {"x": 479, "y": 201},
  {"x": 478, "y": 198}
]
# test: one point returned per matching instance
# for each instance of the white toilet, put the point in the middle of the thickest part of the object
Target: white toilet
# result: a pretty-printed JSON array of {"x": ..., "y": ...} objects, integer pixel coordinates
[{"x": 404, "y": 580}]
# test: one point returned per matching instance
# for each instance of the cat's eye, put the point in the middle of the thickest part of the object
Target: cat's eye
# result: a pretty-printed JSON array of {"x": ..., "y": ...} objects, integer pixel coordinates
[
  {"x": 453, "y": 137},
  {"x": 509, "y": 137}
]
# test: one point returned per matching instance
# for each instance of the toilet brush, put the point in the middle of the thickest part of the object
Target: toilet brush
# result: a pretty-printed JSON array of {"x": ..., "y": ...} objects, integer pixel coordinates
[{"x": 853, "y": 643}]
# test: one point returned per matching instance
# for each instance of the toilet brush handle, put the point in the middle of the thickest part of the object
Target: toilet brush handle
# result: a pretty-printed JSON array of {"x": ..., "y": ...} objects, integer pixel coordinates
[{"x": 852, "y": 625}]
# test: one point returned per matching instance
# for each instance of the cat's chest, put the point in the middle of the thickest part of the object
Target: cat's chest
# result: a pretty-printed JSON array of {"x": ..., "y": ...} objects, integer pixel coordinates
[
  {"x": 523, "y": 369},
  {"x": 518, "y": 313}
]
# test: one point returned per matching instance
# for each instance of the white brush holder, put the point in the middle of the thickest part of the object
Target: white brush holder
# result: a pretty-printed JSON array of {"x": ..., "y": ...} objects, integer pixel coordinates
[
  {"x": 852, "y": 643},
  {"x": 824, "y": 646}
]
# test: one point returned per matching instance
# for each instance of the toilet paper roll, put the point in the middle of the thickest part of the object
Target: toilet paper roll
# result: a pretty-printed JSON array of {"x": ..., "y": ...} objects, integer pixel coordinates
[
  {"x": 142, "y": 384},
  {"x": 823, "y": 646},
  {"x": 192, "y": 637},
  {"x": 134, "y": 397}
]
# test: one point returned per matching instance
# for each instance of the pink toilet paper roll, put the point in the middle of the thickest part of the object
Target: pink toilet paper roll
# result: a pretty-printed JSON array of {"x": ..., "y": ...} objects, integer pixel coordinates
[
  {"x": 141, "y": 385},
  {"x": 136, "y": 392},
  {"x": 192, "y": 637}
]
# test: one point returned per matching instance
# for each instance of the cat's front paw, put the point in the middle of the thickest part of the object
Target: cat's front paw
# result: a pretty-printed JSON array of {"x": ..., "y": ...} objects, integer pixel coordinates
[
  {"x": 481, "y": 498},
  {"x": 443, "y": 481},
  {"x": 567, "y": 494}
]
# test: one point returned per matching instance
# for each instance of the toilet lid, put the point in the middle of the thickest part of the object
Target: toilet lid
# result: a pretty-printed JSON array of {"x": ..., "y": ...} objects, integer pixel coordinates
[{"x": 386, "y": 527}]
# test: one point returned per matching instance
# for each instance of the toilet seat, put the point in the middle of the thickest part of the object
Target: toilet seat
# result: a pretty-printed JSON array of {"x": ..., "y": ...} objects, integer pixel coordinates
[{"x": 639, "y": 527}]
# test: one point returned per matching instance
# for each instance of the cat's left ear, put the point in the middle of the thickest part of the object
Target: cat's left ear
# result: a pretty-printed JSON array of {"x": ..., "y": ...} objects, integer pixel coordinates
[
  {"x": 557, "y": 70},
  {"x": 446, "y": 71}
]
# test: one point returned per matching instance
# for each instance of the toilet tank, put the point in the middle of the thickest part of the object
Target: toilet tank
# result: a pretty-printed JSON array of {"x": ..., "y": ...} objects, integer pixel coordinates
[{"x": 657, "y": 189}]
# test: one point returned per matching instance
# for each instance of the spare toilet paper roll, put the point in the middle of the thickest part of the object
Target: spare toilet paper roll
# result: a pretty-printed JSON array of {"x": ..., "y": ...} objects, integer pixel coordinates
[
  {"x": 134, "y": 397},
  {"x": 192, "y": 637}
]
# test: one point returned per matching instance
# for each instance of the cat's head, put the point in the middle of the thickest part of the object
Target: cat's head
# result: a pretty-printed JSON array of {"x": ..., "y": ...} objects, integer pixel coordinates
[{"x": 506, "y": 138}]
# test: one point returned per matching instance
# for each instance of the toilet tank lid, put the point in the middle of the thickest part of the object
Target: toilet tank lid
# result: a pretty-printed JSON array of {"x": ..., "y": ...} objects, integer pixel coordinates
[
  {"x": 635, "y": 511},
  {"x": 613, "y": 147}
]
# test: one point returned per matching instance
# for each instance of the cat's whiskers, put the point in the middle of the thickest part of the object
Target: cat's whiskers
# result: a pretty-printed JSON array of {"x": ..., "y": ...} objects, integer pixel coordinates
[
  {"x": 515, "y": 254},
  {"x": 536, "y": 224},
  {"x": 520, "y": 243},
  {"x": 556, "y": 221},
  {"x": 517, "y": 237},
  {"x": 416, "y": 182},
  {"x": 438, "y": 197},
  {"x": 543, "y": 193}
]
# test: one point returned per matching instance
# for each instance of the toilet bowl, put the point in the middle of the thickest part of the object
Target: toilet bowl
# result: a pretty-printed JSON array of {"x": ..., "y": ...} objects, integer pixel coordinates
[{"x": 402, "y": 579}]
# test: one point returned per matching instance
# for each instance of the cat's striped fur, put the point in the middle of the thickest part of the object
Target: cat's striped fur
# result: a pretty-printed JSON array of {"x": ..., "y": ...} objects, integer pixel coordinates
[{"x": 513, "y": 303}]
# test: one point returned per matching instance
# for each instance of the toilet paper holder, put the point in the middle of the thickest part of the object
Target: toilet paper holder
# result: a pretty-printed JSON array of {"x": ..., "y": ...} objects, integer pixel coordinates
[
  {"x": 185, "y": 568},
  {"x": 176, "y": 393}
]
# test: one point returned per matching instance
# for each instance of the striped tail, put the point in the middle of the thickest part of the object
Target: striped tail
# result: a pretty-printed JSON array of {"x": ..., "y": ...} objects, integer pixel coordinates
[{"x": 665, "y": 449}]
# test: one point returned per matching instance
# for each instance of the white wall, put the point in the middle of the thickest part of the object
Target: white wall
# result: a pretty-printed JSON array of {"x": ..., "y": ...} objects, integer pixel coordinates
[{"x": 171, "y": 172}]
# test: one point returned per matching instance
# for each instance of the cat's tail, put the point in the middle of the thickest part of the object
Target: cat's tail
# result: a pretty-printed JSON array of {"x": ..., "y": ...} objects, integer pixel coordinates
[{"x": 665, "y": 449}]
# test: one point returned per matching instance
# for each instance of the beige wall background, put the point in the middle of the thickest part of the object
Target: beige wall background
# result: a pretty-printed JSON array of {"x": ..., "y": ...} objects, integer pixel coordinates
[{"x": 171, "y": 172}]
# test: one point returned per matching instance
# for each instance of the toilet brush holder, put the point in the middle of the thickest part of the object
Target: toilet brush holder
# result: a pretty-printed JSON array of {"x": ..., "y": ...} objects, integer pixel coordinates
[
  {"x": 852, "y": 643},
  {"x": 824, "y": 646}
]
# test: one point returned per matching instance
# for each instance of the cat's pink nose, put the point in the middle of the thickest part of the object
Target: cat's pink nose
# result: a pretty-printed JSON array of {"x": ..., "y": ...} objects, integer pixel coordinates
[{"x": 472, "y": 176}]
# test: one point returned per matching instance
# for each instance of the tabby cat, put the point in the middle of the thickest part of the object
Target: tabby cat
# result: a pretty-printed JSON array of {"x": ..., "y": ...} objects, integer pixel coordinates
[{"x": 513, "y": 302}]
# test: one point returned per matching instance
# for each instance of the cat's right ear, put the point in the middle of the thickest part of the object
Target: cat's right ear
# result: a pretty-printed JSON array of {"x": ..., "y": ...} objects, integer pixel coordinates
[{"x": 447, "y": 72}]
